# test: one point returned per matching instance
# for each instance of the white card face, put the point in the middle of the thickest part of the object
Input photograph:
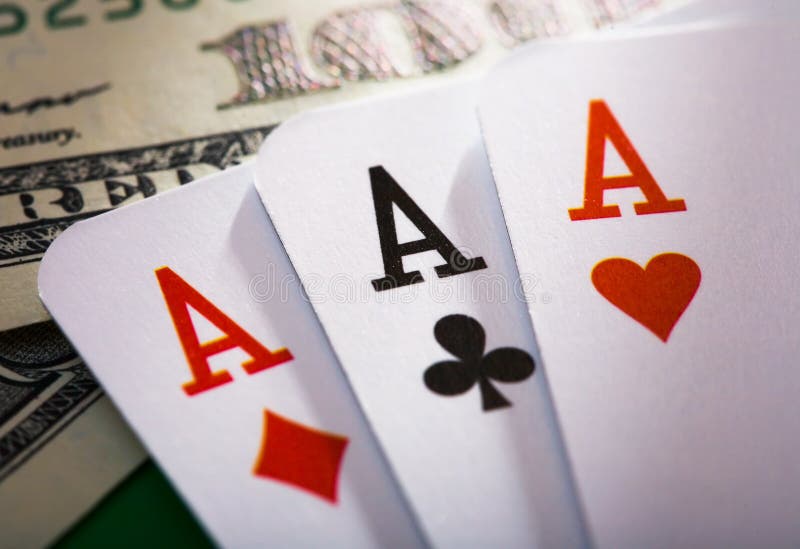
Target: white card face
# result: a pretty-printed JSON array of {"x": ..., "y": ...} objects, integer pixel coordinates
[
  {"x": 675, "y": 385},
  {"x": 727, "y": 10},
  {"x": 468, "y": 429},
  {"x": 280, "y": 456}
]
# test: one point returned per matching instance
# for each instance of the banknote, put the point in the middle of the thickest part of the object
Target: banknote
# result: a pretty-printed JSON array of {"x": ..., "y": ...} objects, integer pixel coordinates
[{"x": 104, "y": 103}]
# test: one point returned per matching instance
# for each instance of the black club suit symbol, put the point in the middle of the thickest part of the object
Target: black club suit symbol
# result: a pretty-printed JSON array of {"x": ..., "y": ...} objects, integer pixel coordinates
[{"x": 465, "y": 338}]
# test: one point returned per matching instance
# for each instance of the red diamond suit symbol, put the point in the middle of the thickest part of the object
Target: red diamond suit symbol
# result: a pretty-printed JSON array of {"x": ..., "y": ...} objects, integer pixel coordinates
[{"x": 301, "y": 456}]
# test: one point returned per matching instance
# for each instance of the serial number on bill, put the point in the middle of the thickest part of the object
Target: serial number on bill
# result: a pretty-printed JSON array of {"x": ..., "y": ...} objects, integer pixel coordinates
[{"x": 65, "y": 14}]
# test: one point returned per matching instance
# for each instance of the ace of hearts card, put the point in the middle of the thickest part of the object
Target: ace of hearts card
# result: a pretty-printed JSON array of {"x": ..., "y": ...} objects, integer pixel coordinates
[{"x": 653, "y": 188}]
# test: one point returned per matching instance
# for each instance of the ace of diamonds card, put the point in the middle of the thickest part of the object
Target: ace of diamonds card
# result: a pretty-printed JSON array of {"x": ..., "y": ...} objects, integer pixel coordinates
[{"x": 187, "y": 310}]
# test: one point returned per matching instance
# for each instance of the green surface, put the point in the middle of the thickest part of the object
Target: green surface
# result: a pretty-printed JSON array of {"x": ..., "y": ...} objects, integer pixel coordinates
[{"x": 143, "y": 511}]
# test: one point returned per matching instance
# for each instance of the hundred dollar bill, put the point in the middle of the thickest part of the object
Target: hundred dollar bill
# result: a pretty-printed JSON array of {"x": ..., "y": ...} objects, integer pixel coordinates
[{"x": 104, "y": 103}]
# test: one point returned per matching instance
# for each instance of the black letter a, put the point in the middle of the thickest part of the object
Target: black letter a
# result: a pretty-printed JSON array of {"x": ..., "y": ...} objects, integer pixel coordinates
[{"x": 385, "y": 192}]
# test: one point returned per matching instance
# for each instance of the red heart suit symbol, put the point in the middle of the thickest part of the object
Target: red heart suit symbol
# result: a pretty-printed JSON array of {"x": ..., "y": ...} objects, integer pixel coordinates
[{"x": 655, "y": 296}]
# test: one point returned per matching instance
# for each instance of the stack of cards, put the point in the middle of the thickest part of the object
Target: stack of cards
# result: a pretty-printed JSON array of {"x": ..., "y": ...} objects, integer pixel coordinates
[{"x": 553, "y": 308}]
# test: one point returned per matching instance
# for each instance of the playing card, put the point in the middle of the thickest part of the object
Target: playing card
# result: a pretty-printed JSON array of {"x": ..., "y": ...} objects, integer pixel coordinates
[
  {"x": 188, "y": 312},
  {"x": 725, "y": 10},
  {"x": 650, "y": 187},
  {"x": 389, "y": 215}
]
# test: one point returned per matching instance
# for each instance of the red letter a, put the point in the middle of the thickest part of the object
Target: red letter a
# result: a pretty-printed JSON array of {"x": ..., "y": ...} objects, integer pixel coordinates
[
  {"x": 179, "y": 295},
  {"x": 602, "y": 125}
]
